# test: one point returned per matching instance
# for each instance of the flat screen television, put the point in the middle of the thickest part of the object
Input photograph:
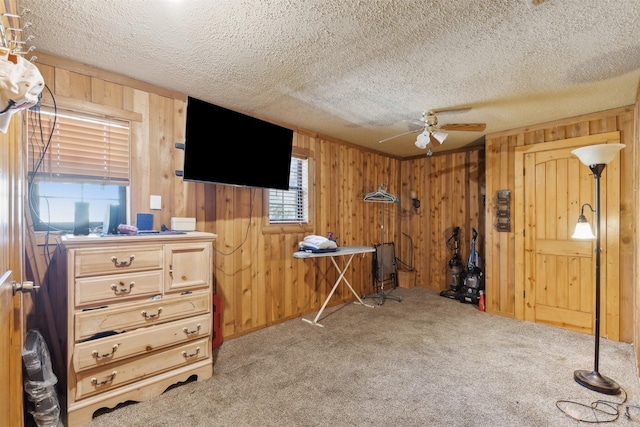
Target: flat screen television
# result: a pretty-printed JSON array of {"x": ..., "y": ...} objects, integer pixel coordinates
[{"x": 226, "y": 147}]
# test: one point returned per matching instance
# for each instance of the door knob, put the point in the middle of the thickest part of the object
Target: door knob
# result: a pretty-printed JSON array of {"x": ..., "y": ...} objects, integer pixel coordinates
[{"x": 23, "y": 287}]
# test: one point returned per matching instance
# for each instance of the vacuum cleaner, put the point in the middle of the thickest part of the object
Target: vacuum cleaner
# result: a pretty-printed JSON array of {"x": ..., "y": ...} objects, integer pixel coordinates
[
  {"x": 473, "y": 286},
  {"x": 456, "y": 267}
]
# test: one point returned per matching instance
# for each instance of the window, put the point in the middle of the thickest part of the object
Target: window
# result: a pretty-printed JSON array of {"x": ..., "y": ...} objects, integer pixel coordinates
[
  {"x": 76, "y": 157},
  {"x": 52, "y": 203},
  {"x": 292, "y": 206}
]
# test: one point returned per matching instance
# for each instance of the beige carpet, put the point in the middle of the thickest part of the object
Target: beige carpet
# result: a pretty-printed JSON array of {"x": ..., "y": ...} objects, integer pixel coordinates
[{"x": 425, "y": 361}]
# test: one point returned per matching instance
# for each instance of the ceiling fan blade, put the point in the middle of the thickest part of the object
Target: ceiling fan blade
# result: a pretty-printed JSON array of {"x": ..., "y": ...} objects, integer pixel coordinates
[
  {"x": 399, "y": 135},
  {"x": 471, "y": 127},
  {"x": 417, "y": 124},
  {"x": 449, "y": 110}
]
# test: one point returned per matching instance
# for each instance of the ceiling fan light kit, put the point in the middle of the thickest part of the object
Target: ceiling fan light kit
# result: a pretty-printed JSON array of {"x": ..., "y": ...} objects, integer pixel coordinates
[
  {"x": 429, "y": 128},
  {"x": 440, "y": 136},
  {"x": 423, "y": 140}
]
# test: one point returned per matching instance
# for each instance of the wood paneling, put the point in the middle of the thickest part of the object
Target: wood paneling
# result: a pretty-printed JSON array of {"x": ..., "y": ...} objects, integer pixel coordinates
[
  {"x": 255, "y": 273},
  {"x": 502, "y": 270},
  {"x": 157, "y": 120},
  {"x": 450, "y": 187},
  {"x": 631, "y": 228}
]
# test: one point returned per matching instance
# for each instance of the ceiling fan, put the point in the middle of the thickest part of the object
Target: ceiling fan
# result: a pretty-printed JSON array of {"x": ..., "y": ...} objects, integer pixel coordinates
[{"x": 432, "y": 132}]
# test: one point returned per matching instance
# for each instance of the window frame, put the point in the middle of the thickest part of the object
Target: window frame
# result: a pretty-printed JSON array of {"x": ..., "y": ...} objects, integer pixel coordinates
[
  {"x": 281, "y": 227},
  {"x": 91, "y": 141},
  {"x": 101, "y": 113}
]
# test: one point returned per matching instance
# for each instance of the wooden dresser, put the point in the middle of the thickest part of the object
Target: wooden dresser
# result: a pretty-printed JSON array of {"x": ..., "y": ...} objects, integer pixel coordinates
[{"x": 135, "y": 317}]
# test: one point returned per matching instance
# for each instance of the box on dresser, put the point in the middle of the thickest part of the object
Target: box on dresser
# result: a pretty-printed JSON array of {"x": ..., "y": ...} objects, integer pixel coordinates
[
  {"x": 134, "y": 314},
  {"x": 183, "y": 224}
]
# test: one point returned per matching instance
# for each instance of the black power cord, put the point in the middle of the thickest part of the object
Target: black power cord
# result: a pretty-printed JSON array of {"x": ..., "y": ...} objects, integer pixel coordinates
[{"x": 600, "y": 411}]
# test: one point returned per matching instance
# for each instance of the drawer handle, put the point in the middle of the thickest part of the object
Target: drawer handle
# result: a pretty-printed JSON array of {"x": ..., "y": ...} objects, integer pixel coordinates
[
  {"x": 122, "y": 290},
  {"x": 123, "y": 263},
  {"x": 188, "y": 332},
  {"x": 109, "y": 379},
  {"x": 189, "y": 356},
  {"x": 99, "y": 356},
  {"x": 151, "y": 316}
]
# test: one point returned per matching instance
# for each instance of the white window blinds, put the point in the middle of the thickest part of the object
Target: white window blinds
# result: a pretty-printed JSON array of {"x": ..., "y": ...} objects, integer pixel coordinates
[
  {"x": 292, "y": 206},
  {"x": 77, "y": 147}
]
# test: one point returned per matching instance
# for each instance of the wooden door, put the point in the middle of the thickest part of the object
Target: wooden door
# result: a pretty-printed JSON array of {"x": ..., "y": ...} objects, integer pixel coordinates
[
  {"x": 557, "y": 274},
  {"x": 11, "y": 408}
]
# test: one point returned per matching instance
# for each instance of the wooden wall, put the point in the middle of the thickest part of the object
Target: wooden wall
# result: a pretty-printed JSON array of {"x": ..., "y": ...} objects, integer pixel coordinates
[
  {"x": 450, "y": 187},
  {"x": 262, "y": 284},
  {"x": 635, "y": 179},
  {"x": 255, "y": 273},
  {"x": 157, "y": 123},
  {"x": 500, "y": 174}
]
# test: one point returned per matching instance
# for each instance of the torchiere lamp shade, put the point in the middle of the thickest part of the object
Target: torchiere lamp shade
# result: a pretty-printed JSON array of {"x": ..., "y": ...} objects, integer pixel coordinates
[{"x": 599, "y": 154}]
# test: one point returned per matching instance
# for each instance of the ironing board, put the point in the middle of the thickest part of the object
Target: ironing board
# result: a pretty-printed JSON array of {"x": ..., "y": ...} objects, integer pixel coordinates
[{"x": 350, "y": 252}]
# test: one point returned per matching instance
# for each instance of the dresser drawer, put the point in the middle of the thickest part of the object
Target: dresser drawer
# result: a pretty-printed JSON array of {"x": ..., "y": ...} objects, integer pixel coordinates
[
  {"x": 99, "y": 352},
  {"x": 133, "y": 369},
  {"x": 117, "y": 287},
  {"x": 117, "y": 259},
  {"x": 129, "y": 316}
]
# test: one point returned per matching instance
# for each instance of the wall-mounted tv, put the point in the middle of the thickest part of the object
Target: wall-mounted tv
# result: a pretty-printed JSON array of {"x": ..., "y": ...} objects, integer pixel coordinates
[{"x": 226, "y": 147}]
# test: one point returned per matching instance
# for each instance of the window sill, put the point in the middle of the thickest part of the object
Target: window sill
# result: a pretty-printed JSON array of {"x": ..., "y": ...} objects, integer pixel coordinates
[{"x": 286, "y": 228}]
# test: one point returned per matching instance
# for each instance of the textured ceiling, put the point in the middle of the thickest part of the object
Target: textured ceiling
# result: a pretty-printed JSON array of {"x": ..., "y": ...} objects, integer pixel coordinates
[{"x": 363, "y": 70}]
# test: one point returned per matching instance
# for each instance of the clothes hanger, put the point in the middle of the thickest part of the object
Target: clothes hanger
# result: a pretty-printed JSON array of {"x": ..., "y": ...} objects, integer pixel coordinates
[{"x": 381, "y": 196}]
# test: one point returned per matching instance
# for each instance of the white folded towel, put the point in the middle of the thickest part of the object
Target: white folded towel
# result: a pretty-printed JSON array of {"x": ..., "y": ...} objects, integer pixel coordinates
[{"x": 317, "y": 242}]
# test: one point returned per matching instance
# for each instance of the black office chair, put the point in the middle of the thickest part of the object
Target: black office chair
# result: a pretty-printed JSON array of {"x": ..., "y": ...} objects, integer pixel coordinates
[{"x": 384, "y": 272}]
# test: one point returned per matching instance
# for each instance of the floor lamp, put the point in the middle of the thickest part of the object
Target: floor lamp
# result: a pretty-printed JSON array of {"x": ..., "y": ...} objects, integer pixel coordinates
[{"x": 596, "y": 157}]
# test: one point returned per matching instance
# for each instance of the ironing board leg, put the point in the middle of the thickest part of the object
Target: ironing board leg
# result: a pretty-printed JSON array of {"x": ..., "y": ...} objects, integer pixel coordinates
[
  {"x": 349, "y": 284},
  {"x": 340, "y": 278}
]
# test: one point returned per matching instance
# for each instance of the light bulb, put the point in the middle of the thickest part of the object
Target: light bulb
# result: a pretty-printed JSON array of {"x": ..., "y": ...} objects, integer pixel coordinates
[
  {"x": 583, "y": 230},
  {"x": 423, "y": 140}
]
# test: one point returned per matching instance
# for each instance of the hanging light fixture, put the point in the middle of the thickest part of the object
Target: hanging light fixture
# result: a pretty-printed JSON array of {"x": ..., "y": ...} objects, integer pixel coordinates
[{"x": 596, "y": 158}]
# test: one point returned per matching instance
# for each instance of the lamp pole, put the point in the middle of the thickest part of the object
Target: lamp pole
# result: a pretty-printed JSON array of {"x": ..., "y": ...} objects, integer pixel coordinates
[
  {"x": 593, "y": 379},
  {"x": 596, "y": 157},
  {"x": 597, "y": 170}
]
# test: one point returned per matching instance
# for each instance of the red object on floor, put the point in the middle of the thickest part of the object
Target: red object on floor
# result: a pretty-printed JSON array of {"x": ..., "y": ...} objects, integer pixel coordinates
[
  {"x": 217, "y": 322},
  {"x": 481, "y": 302}
]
